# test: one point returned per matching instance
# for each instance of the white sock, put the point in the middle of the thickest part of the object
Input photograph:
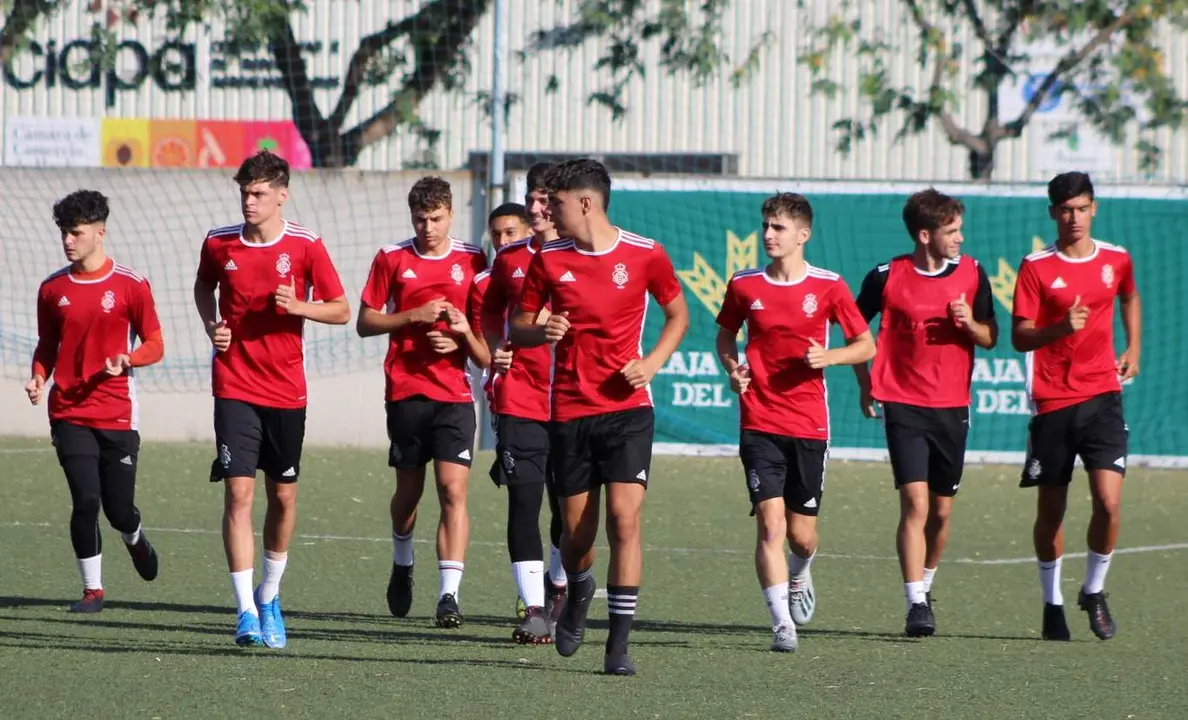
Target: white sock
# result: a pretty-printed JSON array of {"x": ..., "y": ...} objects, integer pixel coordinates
[
  {"x": 131, "y": 538},
  {"x": 556, "y": 570},
  {"x": 1096, "y": 567},
  {"x": 241, "y": 583},
  {"x": 91, "y": 570},
  {"x": 777, "y": 604},
  {"x": 402, "y": 549},
  {"x": 529, "y": 577},
  {"x": 274, "y": 570},
  {"x": 798, "y": 565},
  {"x": 1050, "y": 581},
  {"x": 929, "y": 573},
  {"x": 450, "y": 578},
  {"x": 913, "y": 592}
]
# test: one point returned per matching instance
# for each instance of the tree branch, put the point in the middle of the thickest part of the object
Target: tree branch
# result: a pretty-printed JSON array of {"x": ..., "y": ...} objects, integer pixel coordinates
[
  {"x": 975, "y": 18},
  {"x": 22, "y": 16},
  {"x": 314, "y": 129},
  {"x": 956, "y": 134},
  {"x": 1014, "y": 128},
  {"x": 368, "y": 48}
]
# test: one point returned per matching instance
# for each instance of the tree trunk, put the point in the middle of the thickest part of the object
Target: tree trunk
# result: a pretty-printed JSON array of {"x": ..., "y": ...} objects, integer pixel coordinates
[{"x": 981, "y": 163}]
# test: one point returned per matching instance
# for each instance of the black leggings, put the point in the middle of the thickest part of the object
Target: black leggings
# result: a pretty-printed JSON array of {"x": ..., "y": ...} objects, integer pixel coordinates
[
  {"x": 100, "y": 467},
  {"x": 523, "y": 521}
]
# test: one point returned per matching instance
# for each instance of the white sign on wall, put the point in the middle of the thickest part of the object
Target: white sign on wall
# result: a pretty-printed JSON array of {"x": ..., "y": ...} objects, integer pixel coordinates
[{"x": 52, "y": 142}]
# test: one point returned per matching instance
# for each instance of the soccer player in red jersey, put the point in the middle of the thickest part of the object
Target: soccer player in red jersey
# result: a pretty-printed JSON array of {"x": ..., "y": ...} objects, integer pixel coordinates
[
  {"x": 88, "y": 314},
  {"x": 597, "y": 280},
  {"x": 1064, "y": 318},
  {"x": 936, "y": 307},
  {"x": 788, "y": 308},
  {"x": 521, "y": 411},
  {"x": 271, "y": 276},
  {"x": 416, "y": 293}
]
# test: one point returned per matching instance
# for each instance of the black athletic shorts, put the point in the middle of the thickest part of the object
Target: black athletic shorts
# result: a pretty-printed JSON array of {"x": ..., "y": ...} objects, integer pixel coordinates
[
  {"x": 253, "y": 437},
  {"x": 113, "y": 451},
  {"x": 779, "y": 466},
  {"x": 421, "y": 430},
  {"x": 1094, "y": 429},
  {"x": 521, "y": 451},
  {"x": 927, "y": 445},
  {"x": 591, "y": 451}
]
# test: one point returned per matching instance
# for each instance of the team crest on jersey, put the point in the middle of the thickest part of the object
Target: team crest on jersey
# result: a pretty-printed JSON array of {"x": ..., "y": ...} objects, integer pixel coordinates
[
  {"x": 809, "y": 305},
  {"x": 456, "y": 274},
  {"x": 619, "y": 276},
  {"x": 108, "y": 302},
  {"x": 1107, "y": 275},
  {"x": 283, "y": 264}
]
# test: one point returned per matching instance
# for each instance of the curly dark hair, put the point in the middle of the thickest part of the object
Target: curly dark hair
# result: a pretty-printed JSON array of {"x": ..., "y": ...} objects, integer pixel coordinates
[
  {"x": 928, "y": 210},
  {"x": 791, "y": 205},
  {"x": 429, "y": 194},
  {"x": 264, "y": 166},
  {"x": 580, "y": 174},
  {"x": 81, "y": 207}
]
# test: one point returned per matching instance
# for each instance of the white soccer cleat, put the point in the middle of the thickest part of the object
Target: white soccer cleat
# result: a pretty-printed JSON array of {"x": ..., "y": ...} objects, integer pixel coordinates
[
  {"x": 801, "y": 599},
  {"x": 785, "y": 639}
]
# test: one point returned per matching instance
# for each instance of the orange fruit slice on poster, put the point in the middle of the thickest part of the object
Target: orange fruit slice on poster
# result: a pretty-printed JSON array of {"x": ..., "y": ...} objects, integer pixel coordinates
[{"x": 172, "y": 152}]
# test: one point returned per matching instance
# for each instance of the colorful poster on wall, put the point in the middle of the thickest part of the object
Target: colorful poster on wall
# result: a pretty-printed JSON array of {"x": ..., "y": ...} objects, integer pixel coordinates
[
  {"x": 173, "y": 143},
  {"x": 220, "y": 143},
  {"x": 125, "y": 143}
]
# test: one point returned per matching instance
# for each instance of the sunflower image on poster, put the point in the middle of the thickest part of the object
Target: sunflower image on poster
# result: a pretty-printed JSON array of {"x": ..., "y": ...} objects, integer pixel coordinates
[{"x": 125, "y": 143}]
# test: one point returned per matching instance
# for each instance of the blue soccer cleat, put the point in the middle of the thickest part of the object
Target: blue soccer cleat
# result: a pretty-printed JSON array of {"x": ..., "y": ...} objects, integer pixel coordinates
[
  {"x": 247, "y": 631},
  {"x": 271, "y": 623}
]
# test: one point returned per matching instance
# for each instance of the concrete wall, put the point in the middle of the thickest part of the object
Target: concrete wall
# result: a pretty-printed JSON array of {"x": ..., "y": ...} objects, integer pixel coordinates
[{"x": 157, "y": 225}]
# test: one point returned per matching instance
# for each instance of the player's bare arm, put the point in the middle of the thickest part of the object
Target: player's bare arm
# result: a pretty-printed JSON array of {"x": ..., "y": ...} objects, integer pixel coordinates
[
  {"x": 858, "y": 349},
  {"x": 207, "y": 305},
  {"x": 866, "y": 401},
  {"x": 1026, "y": 337},
  {"x": 727, "y": 346},
  {"x": 475, "y": 344},
  {"x": 1132, "y": 325},
  {"x": 371, "y": 322},
  {"x": 676, "y": 322},
  {"x": 328, "y": 312},
  {"x": 528, "y": 331},
  {"x": 983, "y": 334}
]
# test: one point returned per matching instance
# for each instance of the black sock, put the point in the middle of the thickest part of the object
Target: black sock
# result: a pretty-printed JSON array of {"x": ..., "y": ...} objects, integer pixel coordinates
[
  {"x": 581, "y": 584},
  {"x": 621, "y": 600}
]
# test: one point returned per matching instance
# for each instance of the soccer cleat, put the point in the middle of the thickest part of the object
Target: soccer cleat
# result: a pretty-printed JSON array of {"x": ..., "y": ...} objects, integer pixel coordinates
[
  {"x": 247, "y": 630},
  {"x": 571, "y": 625},
  {"x": 1100, "y": 621},
  {"x": 521, "y": 608},
  {"x": 801, "y": 598},
  {"x": 272, "y": 623},
  {"x": 400, "y": 586},
  {"x": 91, "y": 602},
  {"x": 1055, "y": 627},
  {"x": 920, "y": 622},
  {"x": 535, "y": 629},
  {"x": 554, "y": 601},
  {"x": 144, "y": 557},
  {"x": 620, "y": 665},
  {"x": 785, "y": 639},
  {"x": 448, "y": 615}
]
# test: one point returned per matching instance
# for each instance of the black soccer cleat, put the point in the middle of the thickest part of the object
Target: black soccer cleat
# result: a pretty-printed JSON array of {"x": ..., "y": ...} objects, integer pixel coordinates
[
  {"x": 571, "y": 625},
  {"x": 144, "y": 558},
  {"x": 1100, "y": 621},
  {"x": 91, "y": 602},
  {"x": 620, "y": 665},
  {"x": 920, "y": 622},
  {"x": 448, "y": 614},
  {"x": 1055, "y": 627},
  {"x": 400, "y": 587}
]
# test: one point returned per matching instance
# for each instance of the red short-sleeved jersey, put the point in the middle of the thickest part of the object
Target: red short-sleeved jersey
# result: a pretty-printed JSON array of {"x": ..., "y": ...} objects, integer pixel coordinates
[
  {"x": 525, "y": 390},
  {"x": 1082, "y": 365},
  {"x": 265, "y": 364},
  {"x": 606, "y": 297},
  {"x": 786, "y": 396},
  {"x": 81, "y": 324},
  {"x": 401, "y": 279}
]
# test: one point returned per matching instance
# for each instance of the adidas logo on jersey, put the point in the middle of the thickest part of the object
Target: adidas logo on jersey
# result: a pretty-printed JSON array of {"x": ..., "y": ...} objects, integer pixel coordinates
[
  {"x": 757, "y": 304},
  {"x": 230, "y": 266},
  {"x": 409, "y": 274},
  {"x": 291, "y": 472},
  {"x": 643, "y": 475},
  {"x": 1059, "y": 283},
  {"x": 517, "y": 274},
  {"x": 63, "y": 302},
  {"x": 464, "y": 455},
  {"x": 568, "y": 277},
  {"x": 127, "y": 460}
]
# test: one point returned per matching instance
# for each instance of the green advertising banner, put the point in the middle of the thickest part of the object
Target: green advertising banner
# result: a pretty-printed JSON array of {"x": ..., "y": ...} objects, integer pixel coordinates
[{"x": 711, "y": 230}]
